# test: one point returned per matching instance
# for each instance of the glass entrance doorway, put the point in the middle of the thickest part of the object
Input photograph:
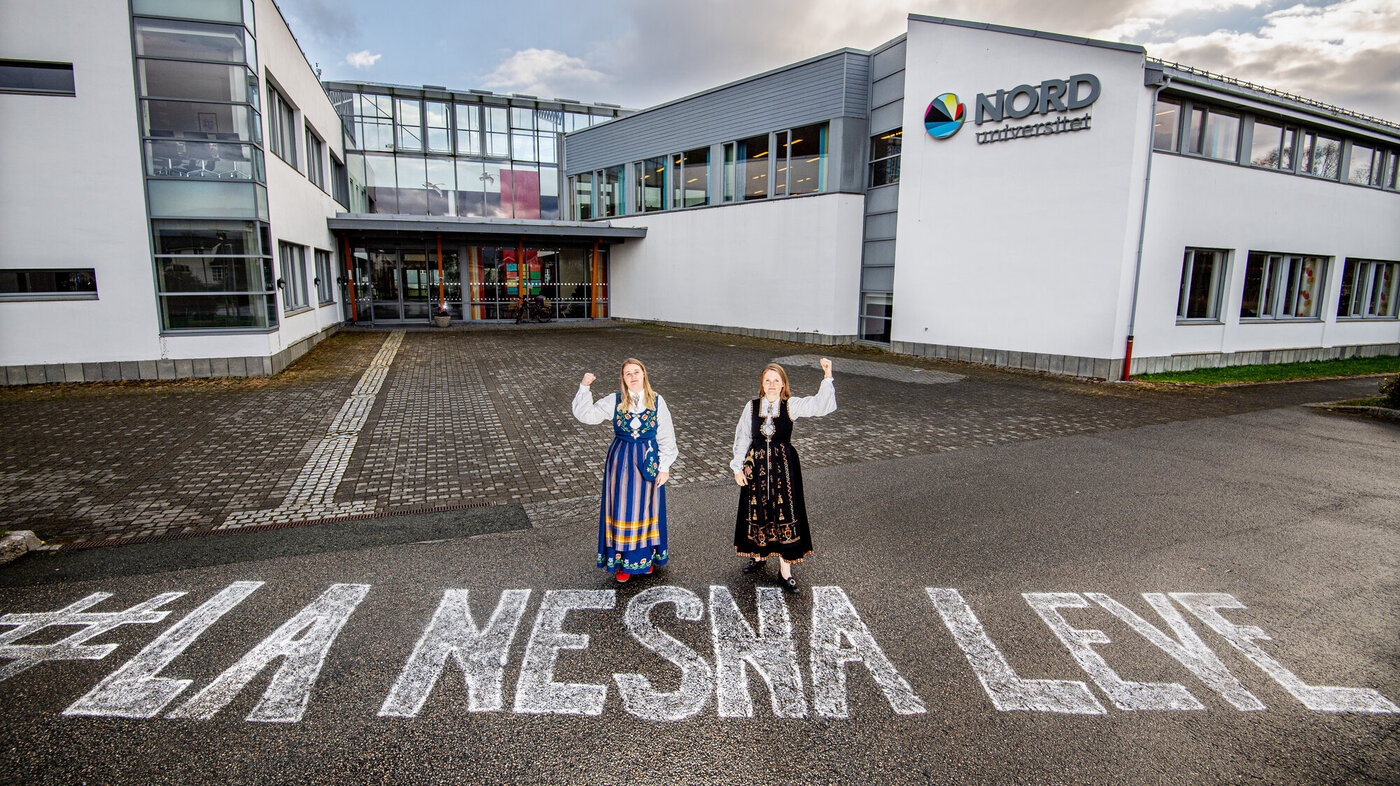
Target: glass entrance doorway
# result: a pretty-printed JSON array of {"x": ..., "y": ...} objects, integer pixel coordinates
[{"x": 399, "y": 285}]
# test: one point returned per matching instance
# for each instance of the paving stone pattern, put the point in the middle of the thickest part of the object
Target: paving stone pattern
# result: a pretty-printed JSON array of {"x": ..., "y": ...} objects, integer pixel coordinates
[{"x": 476, "y": 415}]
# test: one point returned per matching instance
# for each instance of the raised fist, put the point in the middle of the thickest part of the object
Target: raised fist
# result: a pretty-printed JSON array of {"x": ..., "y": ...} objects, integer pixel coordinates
[
  {"x": 588, "y": 379},
  {"x": 826, "y": 366}
]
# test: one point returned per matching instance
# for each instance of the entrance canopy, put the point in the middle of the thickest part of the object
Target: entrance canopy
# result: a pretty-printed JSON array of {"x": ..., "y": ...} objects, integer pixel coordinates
[
  {"x": 493, "y": 230},
  {"x": 403, "y": 269}
]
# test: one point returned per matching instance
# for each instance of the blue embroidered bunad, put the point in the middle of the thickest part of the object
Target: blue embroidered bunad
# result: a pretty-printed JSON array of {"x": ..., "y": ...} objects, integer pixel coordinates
[{"x": 632, "y": 518}]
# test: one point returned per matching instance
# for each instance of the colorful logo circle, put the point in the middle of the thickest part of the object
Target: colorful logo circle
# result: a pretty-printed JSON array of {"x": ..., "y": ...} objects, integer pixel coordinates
[{"x": 944, "y": 116}]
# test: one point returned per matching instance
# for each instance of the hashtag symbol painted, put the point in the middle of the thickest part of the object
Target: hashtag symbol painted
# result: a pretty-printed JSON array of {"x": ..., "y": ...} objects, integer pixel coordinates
[{"x": 71, "y": 647}]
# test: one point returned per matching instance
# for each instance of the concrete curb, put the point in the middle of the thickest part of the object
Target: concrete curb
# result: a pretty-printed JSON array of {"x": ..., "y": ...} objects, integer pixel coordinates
[
  {"x": 16, "y": 544},
  {"x": 1379, "y": 413}
]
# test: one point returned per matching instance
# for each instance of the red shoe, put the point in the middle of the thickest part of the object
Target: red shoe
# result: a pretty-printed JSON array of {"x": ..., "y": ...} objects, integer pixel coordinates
[
  {"x": 650, "y": 569},
  {"x": 622, "y": 575}
]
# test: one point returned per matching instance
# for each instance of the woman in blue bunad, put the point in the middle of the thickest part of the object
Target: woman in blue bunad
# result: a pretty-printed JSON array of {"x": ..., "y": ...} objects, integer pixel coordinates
[
  {"x": 632, "y": 521},
  {"x": 772, "y": 516}
]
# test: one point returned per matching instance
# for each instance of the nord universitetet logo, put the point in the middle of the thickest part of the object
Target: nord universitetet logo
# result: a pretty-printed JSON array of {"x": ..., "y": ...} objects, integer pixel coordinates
[{"x": 944, "y": 116}]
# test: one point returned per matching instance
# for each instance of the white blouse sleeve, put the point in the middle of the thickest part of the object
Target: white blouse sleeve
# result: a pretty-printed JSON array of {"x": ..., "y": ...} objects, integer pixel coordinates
[
  {"x": 742, "y": 437},
  {"x": 587, "y": 411},
  {"x": 824, "y": 403},
  {"x": 665, "y": 435}
]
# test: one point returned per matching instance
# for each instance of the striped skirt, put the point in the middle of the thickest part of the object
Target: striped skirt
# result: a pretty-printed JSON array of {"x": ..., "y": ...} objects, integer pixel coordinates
[{"x": 632, "y": 519}]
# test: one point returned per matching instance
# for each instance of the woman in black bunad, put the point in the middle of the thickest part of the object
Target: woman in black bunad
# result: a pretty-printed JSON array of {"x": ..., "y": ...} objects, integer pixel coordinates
[
  {"x": 772, "y": 515},
  {"x": 632, "y": 517}
]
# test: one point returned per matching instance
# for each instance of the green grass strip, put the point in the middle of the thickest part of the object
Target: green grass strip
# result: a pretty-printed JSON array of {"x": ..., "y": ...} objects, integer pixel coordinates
[{"x": 1274, "y": 372}]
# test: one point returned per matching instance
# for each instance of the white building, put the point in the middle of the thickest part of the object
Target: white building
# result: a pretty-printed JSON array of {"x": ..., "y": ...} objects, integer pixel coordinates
[{"x": 1070, "y": 194}]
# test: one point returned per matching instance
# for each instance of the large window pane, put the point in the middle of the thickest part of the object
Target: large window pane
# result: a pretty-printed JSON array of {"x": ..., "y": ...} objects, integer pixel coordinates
[
  {"x": 610, "y": 192},
  {"x": 212, "y": 10},
  {"x": 205, "y": 198},
  {"x": 1165, "y": 125},
  {"x": 1322, "y": 156},
  {"x": 413, "y": 185},
  {"x": 215, "y": 311},
  {"x": 690, "y": 178},
  {"x": 409, "y": 124},
  {"x": 27, "y": 283},
  {"x": 520, "y": 191},
  {"x": 548, "y": 152},
  {"x": 435, "y": 113},
  {"x": 468, "y": 129},
  {"x": 522, "y": 146},
  {"x": 1282, "y": 286},
  {"x": 441, "y": 187},
  {"x": 207, "y": 81},
  {"x": 189, "y": 40},
  {"x": 1201, "y": 277},
  {"x": 238, "y": 238},
  {"x": 583, "y": 195},
  {"x": 204, "y": 160},
  {"x": 1266, "y": 149},
  {"x": 189, "y": 120},
  {"x": 209, "y": 274},
  {"x": 651, "y": 182},
  {"x": 1359, "y": 169},
  {"x": 381, "y": 184},
  {"x": 549, "y": 192},
  {"x": 471, "y": 184},
  {"x": 752, "y": 156},
  {"x": 884, "y": 157},
  {"x": 807, "y": 160},
  {"x": 1215, "y": 134},
  {"x": 22, "y": 76}
]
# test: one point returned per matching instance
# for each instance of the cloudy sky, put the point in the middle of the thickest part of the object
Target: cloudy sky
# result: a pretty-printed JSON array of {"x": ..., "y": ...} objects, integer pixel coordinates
[{"x": 642, "y": 52}]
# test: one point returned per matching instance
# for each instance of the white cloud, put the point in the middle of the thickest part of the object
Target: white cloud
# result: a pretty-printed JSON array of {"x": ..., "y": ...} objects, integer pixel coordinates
[
  {"x": 362, "y": 59},
  {"x": 544, "y": 72}
]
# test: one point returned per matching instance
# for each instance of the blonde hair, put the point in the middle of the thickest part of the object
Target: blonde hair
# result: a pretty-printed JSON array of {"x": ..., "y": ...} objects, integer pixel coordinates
[
  {"x": 648, "y": 395},
  {"x": 787, "y": 391}
]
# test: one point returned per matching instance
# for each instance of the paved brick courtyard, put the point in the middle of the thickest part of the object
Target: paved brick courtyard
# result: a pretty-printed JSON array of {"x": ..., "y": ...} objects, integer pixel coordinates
[{"x": 381, "y": 421}]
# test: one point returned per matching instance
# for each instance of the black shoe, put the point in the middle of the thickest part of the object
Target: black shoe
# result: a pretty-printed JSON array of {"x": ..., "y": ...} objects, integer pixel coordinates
[
  {"x": 789, "y": 586},
  {"x": 754, "y": 566}
]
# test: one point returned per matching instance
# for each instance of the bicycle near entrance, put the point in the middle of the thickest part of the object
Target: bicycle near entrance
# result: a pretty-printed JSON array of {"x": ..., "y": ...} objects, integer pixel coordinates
[{"x": 531, "y": 309}]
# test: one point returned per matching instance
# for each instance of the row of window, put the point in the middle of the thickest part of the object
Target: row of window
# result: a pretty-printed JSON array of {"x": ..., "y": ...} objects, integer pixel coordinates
[
  {"x": 1281, "y": 286},
  {"x": 397, "y": 124},
  {"x": 443, "y": 186},
  {"x": 282, "y": 141},
  {"x": 782, "y": 163},
  {"x": 1199, "y": 129},
  {"x": 293, "y": 280}
]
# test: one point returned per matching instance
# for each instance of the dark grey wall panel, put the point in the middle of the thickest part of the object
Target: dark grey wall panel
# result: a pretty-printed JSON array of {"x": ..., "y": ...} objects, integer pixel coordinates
[
  {"x": 882, "y": 199},
  {"x": 828, "y": 87},
  {"x": 887, "y": 117},
  {"x": 888, "y": 61},
  {"x": 888, "y": 89}
]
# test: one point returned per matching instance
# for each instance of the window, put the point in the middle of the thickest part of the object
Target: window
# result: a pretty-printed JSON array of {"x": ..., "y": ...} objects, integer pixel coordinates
[
  {"x": 191, "y": 41},
  {"x": 340, "y": 182},
  {"x": 25, "y": 76},
  {"x": 1214, "y": 134},
  {"x": 48, "y": 284},
  {"x": 439, "y": 135},
  {"x": 408, "y": 125},
  {"x": 374, "y": 123},
  {"x": 876, "y": 313},
  {"x": 1369, "y": 289},
  {"x": 1282, "y": 286},
  {"x": 583, "y": 196},
  {"x": 651, "y": 185},
  {"x": 282, "y": 137},
  {"x": 293, "y": 280},
  {"x": 468, "y": 129},
  {"x": 751, "y": 167},
  {"x": 1322, "y": 156},
  {"x": 213, "y": 274},
  {"x": 325, "y": 278},
  {"x": 1166, "y": 125},
  {"x": 884, "y": 157},
  {"x": 690, "y": 178},
  {"x": 800, "y": 159},
  {"x": 609, "y": 191},
  {"x": 497, "y": 132},
  {"x": 1272, "y": 146},
  {"x": 315, "y": 154},
  {"x": 1202, "y": 276}
]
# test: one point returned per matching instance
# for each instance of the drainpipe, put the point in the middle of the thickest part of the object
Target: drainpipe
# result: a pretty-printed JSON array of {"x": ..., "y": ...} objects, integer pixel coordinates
[{"x": 1158, "y": 79}]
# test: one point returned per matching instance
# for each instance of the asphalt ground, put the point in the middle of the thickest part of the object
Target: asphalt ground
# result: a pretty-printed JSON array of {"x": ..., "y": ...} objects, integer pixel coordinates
[{"x": 1291, "y": 512}]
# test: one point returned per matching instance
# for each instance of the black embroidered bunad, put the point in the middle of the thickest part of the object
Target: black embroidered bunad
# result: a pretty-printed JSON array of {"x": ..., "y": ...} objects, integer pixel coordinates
[{"x": 772, "y": 516}]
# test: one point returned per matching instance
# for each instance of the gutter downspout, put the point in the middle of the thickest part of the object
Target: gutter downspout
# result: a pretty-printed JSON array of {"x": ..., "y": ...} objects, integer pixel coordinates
[{"x": 1159, "y": 80}]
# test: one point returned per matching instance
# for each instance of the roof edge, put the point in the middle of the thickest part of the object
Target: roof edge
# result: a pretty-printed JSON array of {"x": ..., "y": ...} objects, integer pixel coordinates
[{"x": 1021, "y": 31}]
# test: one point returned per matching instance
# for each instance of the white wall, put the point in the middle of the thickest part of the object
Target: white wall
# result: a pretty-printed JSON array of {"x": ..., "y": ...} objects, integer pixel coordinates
[
  {"x": 1023, "y": 244},
  {"x": 1209, "y": 204},
  {"x": 71, "y": 193},
  {"x": 790, "y": 265}
]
